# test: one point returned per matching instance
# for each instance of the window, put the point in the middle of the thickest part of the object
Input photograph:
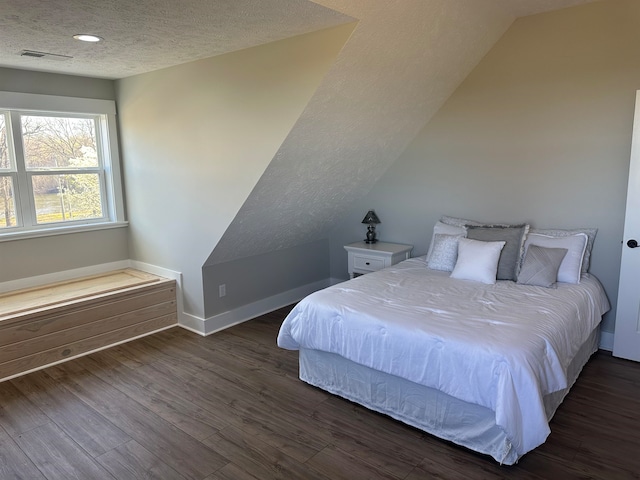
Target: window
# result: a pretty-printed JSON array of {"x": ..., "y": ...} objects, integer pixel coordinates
[{"x": 58, "y": 170}]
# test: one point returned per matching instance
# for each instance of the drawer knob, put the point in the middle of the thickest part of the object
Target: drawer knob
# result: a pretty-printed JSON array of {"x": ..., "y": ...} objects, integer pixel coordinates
[{"x": 367, "y": 263}]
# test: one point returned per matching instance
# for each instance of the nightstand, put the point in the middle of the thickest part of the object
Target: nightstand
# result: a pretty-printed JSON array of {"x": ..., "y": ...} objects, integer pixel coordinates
[{"x": 368, "y": 257}]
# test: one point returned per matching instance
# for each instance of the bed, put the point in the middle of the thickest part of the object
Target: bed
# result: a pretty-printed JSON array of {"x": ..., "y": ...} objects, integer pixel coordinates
[{"x": 484, "y": 365}]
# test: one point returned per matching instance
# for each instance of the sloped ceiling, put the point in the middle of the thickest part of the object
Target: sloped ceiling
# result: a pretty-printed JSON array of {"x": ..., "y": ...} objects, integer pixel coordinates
[{"x": 402, "y": 62}]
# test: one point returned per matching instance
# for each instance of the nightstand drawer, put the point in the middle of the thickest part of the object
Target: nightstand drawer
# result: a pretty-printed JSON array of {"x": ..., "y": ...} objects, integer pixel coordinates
[
  {"x": 370, "y": 257},
  {"x": 361, "y": 262}
]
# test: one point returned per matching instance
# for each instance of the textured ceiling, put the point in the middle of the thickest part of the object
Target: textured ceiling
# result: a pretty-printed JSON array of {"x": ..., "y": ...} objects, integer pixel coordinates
[{"x": 145, "y": 35}]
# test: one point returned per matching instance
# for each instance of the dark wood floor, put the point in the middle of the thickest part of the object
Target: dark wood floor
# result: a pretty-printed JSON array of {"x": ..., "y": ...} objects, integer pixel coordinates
[{"x": 230, "y": 406}]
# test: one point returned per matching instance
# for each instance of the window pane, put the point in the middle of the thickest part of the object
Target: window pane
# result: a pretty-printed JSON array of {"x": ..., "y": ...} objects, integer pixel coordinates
[
  {"x": 7, "y": 203},
  {"x": 59, "y": 142},
  {"x": 4, "y": 144},
  {"x": 66, "y": 198}
]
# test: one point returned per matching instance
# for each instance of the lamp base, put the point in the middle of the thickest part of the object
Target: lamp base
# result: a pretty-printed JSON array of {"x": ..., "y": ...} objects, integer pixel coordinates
[{"x": 371, "y": 234}]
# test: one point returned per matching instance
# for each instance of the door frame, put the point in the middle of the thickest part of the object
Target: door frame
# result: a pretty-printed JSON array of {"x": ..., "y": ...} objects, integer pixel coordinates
[{"x": 626, "y": 338}]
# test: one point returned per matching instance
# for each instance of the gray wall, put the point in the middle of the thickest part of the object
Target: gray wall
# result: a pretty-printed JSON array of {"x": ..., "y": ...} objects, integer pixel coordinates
[
  {"x": 539, "y": 132},
  {"x": 262, "y": 276},
  {"x": 26, "y": 81},
  {"x": 43, "y": 255},
  {"x": 197, "y": 137},
  {"x": 396, "y": 70}
]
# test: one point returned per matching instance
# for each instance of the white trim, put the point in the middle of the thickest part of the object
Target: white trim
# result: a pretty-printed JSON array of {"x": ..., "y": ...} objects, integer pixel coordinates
[
  {"x": 113, "y": 175},
  {"x": 36, "y": 281},
  {"x": 247, "y": 312},
  {"x": 86, "y": 353},
  {"x": 156, "y": 270},
  {"x": 606, "y": 341},
  {"x": 62, "y": 230},
  {"x": 34, "y": 101},
  {"x": 192, "y": 323}
]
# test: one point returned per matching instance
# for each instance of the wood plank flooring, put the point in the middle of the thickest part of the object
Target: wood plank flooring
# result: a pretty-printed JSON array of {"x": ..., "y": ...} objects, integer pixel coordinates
[{"x": 230, "y": 406}]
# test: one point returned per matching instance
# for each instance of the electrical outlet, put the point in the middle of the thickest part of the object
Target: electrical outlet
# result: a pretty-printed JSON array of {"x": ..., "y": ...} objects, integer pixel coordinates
[{"x": 222, "y": 290}]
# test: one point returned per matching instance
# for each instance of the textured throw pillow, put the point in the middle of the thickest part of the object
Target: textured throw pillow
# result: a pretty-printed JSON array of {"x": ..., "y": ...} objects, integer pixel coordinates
[
  {"x": 540, "y": 266},
  {"x": 457, "y": 222},
  {"x": 477, "y": 260},
  {"x": 513, "y": 236},
  {"x": 443, "y": 228},
  {"x": 571, "y": 266},
  {"x": 589, "y": 232},
  {"x": 445, "y": 252}
]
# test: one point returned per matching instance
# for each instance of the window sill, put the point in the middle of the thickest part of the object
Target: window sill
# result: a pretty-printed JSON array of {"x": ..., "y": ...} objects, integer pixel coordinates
[{"x": 63, "y": 230}]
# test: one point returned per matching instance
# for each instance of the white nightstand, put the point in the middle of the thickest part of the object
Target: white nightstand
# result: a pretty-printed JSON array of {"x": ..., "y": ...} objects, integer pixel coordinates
[{"x": 369, "y": 257}]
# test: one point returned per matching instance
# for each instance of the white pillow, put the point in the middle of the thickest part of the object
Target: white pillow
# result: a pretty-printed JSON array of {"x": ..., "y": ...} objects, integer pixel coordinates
[
  {"x": 444, "y": 253},
  {"x": 477, "y": 260},
  {"x": 444, "y": 229},
  {"x": 589, "y": 232},
  {"x": 571, "y": 265}
]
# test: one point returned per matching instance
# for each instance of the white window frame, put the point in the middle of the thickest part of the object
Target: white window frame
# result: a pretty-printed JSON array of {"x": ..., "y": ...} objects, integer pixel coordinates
[{"x": 107, "y": 141}]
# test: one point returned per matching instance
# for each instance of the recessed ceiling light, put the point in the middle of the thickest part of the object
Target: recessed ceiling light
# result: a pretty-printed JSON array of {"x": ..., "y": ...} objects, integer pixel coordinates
[{"x": 85, "y": 37}]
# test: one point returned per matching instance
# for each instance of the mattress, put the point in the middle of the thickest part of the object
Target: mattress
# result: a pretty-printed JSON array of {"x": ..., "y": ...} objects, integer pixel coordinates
[{"x": 503, "y": 347}]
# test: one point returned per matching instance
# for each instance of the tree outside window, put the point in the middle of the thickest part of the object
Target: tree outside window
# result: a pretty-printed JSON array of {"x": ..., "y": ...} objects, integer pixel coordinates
[{"x": 53, "y": 145}]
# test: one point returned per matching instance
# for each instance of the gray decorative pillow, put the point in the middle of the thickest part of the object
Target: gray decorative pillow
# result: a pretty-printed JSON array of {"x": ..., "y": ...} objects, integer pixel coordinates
[
  {"x": 541, "y": 265},
  {"x": 513, "y": 235},
  {"x": 443, "y": 228},
  {"x": 444, "y": 253}
]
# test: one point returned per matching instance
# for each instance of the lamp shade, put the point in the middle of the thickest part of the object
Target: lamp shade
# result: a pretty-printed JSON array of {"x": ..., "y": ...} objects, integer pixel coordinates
[{"x": 371, "y": 218}]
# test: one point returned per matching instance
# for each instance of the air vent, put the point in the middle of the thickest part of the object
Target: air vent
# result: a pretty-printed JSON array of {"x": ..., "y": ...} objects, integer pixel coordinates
[
  {"x": 27, "y": 53},
  {"x": 48, "y": 56}
]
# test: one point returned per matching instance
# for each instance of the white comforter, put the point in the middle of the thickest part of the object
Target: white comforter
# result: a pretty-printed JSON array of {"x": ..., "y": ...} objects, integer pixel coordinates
[{"x": 501, "y": 346}]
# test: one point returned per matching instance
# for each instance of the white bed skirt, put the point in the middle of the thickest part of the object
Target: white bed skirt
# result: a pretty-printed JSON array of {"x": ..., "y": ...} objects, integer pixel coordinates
[{"x": 427, "y": 409}]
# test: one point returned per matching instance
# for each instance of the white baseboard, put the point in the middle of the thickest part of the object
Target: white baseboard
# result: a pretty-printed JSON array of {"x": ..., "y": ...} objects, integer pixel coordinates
[
  {"x": 192, "y": 323},
  {"x": 606, "y": 341},
  {"x": 247, "y": 312}
]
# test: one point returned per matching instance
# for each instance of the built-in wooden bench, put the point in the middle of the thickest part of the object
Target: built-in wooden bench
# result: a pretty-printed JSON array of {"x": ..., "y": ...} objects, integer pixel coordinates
[{"x": 52, "y": 323}]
